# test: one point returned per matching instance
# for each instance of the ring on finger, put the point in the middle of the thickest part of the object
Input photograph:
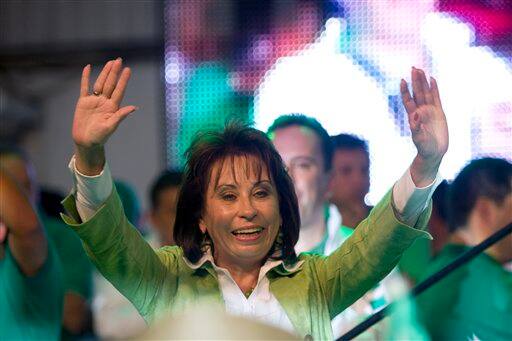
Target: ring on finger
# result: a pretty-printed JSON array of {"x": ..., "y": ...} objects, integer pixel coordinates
[{"x": 96, "y": 93}]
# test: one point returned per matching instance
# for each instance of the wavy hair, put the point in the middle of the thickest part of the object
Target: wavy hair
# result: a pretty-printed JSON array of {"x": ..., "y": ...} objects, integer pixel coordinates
[{"x": 235, "y": 140}]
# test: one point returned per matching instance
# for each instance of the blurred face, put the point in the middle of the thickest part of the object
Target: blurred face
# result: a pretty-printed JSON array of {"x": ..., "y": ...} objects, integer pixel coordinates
[
  {"x": 22, "y": 173},
  {"x": 300, "y": 148},
  {"x": 486, "y": 218},
  {"x": 350, "y": 180},
  {"x": 503, "y": 216},
  {"x": 164, "y": 214},
  {"x": 241, "y": 212}
]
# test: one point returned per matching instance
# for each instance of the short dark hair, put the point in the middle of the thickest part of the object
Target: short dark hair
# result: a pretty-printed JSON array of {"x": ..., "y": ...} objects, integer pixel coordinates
[
  {"x": 349, "y": 142},
  {"x": 236, "y": 139},
  {"x": 440, "y": 200},
  {"x": 167, "y": 178},
  {"x": 486, "y": 177},
  {"x": 301, "y": 120}
]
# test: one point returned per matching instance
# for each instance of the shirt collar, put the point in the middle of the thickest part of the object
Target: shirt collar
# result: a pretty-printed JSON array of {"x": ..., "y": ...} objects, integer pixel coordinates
[{"x": 278, "y": 265}]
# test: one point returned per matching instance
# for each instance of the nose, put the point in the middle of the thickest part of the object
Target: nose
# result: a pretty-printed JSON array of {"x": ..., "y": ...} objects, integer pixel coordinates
[{"x": 247, "y": 209}]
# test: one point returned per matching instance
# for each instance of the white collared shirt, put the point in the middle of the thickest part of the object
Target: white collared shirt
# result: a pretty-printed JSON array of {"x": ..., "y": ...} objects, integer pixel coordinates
[{"x": 261, "y": 304}]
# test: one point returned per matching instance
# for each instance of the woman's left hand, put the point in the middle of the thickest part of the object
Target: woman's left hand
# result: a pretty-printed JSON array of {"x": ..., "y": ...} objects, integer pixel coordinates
[{"x": 428, "y": 125}]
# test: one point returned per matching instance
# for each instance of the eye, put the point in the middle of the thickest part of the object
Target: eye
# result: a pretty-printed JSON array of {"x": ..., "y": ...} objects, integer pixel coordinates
[
  {"x": 261, "y": 193},
  {"x": 228, "y": 196},
  {"x": 304, "y": 165}
]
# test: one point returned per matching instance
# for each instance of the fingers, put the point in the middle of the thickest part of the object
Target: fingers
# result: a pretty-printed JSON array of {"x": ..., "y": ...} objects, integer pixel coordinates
[
  {"x": 426, "y": 88},
  {"x": 122, "y": 113},
  {"x": 408, "y": 102},
  {"x": 418, "y": 86},
  {"x": 435, "y": 92},
  {"x": 118, "y": 93},
  {"x": 100, "y": 81},
  {"x": 410, "y": 107},
  {"x": 84, "y": 84},
  {"x": 111, "y": 80}
]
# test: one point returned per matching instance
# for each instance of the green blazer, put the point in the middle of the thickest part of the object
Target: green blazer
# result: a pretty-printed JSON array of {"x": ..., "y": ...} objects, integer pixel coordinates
[{"x": 312, "y": 291}]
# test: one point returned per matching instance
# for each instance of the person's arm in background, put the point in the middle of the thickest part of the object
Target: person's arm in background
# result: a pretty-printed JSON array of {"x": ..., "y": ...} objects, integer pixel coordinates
[
  {"x": 26, "y": 236},
  {"x": 31, "y": 272}
]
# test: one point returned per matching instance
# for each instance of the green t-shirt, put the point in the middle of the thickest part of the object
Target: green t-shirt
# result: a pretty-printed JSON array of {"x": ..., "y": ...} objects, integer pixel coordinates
[
  {"x": 415, "y": 260},
  {"x": 473, "y": 302},
  {"x": 30, "y": 307},
  {"x": 76, "y": 267}
]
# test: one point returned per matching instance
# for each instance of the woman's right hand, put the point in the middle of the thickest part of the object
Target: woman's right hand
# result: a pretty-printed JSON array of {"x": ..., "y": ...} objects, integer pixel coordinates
[{"x": 98, "y": 114}]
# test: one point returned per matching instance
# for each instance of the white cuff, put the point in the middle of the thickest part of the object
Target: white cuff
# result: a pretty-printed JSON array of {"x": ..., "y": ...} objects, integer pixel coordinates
[
  {"x": 91, "y": 191},
  {"x": 410, "y": 201}
]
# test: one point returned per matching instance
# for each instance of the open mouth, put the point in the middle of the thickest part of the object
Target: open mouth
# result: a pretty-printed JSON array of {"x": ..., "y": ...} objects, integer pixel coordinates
[{"x": 248, "y": 233}]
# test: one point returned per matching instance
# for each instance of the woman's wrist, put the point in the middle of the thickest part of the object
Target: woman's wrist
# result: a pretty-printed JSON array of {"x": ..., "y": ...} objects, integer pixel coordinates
[
  {"x": 423, "y": 171},
  {"x": 89, "y": 161}
]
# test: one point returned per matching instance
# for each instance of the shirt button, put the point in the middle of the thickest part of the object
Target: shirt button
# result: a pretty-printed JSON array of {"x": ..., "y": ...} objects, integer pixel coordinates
[{"x": 308, "y": 337}]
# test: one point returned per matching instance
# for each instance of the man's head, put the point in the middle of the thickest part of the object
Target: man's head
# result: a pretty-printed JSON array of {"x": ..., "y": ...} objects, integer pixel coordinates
[
  {"x": 480, "y": 201},
  {"x": 350, "y": 178},
  {"x": 163, "y": 197},
  {"x": 306, "y": 150}
]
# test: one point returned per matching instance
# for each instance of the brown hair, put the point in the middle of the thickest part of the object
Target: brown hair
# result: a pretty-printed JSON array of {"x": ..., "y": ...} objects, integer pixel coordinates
[{"x": 207, "y": 148}]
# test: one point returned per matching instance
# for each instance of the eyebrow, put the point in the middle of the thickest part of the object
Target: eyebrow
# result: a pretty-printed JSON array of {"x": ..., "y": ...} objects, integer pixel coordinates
[
  {"x": 301, "y": 157},
  {"x": 233, "y": 186}
]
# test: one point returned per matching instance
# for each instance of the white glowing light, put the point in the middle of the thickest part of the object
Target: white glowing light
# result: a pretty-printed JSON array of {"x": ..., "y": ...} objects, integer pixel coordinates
[
  {"x": 173, "y": 67},
  {"x": 475, "y": 89},
  {"x": 322, "y": 83}
]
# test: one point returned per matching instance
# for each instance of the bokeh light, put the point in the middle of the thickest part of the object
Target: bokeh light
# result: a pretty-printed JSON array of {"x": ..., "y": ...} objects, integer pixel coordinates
[{"x": 341, "y": 62}]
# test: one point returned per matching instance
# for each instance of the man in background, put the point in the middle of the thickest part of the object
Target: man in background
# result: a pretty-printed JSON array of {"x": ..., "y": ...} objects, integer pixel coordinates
[
  {"x": 76, "y": 268},
  {"x": 350, "y": 178},
  {"x": 475, "y": 301},
  {"x": 31, "y": 290},
  {"x": 163, "y": 197},
  {"x": 307, "y": 151}
]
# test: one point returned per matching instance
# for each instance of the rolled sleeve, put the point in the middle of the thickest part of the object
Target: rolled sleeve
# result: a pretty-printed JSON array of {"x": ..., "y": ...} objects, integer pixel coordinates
[
  {"x": 90, "y": 191},
  {"x": 410, "y": 201}
]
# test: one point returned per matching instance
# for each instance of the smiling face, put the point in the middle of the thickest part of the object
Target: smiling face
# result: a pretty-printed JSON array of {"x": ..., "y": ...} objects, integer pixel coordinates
[
  {"x": 301, "y": 151},
  {"x": 241, "y": 212}
]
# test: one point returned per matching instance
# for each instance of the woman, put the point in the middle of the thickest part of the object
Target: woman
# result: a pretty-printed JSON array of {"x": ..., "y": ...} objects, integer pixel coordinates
[{"x": 237, "y": 221}]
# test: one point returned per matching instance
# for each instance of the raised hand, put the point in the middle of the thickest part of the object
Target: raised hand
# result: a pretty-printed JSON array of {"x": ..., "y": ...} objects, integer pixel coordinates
[
  {"x": 98, "y": 114},
  {"x": 428, "y": 124}
]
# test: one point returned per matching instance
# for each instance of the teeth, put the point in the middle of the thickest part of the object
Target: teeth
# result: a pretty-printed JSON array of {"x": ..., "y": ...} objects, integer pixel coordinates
[{"x": 249, "y": 231}]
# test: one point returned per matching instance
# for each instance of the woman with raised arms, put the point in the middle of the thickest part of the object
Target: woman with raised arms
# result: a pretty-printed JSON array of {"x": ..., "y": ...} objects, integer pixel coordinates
[{"x": 237, "y": 220}]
